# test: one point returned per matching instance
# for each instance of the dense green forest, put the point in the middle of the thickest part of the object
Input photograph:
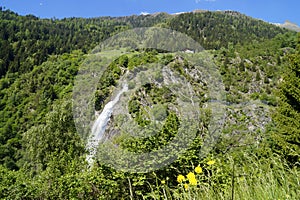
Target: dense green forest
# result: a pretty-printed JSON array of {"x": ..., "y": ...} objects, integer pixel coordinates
[{"x": 42, "y": 156}]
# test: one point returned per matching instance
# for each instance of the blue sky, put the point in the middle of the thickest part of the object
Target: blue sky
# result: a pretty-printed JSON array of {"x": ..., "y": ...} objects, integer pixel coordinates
[{"x": 268, "y": 10}]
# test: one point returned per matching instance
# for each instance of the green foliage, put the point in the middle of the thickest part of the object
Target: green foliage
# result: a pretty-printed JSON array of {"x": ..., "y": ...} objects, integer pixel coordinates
[
  {"x": 25, "y": 100},
  {"x": 55, "y": 141},
  {"x": 28, "y": 41},
  {"x": 252, "y": 178},
  {"x": 214, "y": 30},
  {"x": 287, "y": 117}
]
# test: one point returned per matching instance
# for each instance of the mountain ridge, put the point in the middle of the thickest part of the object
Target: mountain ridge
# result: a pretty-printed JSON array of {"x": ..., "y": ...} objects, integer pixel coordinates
[
  {"x": 212, "y": 29},
  {"x": 287, "y": 24},
  {"x": 290, "y": 26}
]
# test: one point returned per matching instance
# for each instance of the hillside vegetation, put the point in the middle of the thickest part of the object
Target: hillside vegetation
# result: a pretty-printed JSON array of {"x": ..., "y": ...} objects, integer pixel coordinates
[{"x": 257, "y": 155}]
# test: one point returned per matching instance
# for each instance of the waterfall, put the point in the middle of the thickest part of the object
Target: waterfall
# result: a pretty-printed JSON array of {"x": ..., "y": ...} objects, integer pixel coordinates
[{"x": 99, "y": 126}]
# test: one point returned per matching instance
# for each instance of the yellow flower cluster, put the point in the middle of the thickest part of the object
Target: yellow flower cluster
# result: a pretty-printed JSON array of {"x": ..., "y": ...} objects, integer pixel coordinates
[{"x": 192, "y": 178}]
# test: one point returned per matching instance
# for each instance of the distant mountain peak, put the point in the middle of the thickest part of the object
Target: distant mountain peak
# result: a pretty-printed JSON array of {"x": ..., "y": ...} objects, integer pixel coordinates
[{"x": 289, "y": 25}]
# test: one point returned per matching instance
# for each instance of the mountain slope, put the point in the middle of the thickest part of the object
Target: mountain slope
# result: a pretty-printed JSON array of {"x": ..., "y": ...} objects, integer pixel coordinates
[
  {"x": 291, "y": 26},
  {"x": 27, "y": 40},
  {"x": 214, "y": 30},
  {"x": 42, "y": 155}
]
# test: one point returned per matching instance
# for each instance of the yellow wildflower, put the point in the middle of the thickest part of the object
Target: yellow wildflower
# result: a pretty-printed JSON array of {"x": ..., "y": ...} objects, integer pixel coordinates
[
  {"x": 180, "y": 178},
  {"x": 186, "y": 186},
  {"x": 192, "y": 178},
  {"x": 193, "y": 181},
  {"x": 163, "y": 182},
  {"x": 211, "y": 162},
  {"x": 198, "y": 170},
  {"x": 191, "y": 175}
]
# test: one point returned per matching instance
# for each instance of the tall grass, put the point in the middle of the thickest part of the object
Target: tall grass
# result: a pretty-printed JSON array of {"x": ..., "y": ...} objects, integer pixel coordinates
[{"x": 267, "y": 179}]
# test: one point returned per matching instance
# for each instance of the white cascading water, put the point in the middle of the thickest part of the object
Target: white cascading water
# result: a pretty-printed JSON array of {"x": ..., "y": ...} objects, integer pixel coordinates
[{"x": 99, "y": 126}]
